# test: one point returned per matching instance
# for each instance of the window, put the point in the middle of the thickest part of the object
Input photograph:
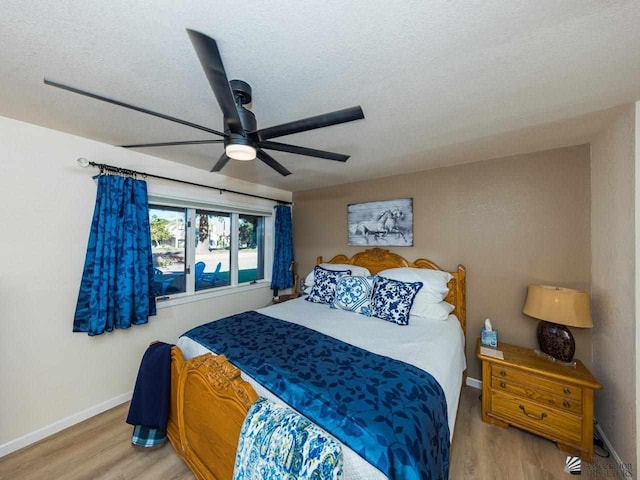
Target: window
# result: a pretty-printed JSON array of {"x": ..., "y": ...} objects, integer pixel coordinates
[
  {"x": 250, "y": 248},
  {"x": 196, "y": 250},
  {"x": 168, "y": 247},
  {"x": 213, "y": 249}
]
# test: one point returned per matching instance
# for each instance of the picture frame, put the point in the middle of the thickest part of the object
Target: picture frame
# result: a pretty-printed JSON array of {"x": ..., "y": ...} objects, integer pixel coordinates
[{"x": 381, "y": 223}]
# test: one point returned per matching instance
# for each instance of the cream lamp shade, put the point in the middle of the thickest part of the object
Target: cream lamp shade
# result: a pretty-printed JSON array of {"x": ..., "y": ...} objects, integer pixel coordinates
[{"x": 563, "y": 306}]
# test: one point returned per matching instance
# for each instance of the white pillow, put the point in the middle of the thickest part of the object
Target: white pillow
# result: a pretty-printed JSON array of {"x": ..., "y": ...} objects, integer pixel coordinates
[
  {"x": 434, "y": 288},
  {"x": 435, "y": 311},
  {"x": 356, "y": 271}
]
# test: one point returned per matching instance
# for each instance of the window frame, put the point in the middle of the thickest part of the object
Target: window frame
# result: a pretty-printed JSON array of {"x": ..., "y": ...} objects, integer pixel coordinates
[{"x": 191, "y": 206}]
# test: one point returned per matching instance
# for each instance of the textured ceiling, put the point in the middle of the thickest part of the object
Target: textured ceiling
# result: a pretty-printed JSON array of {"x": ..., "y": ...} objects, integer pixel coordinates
[{"x": 440, "y": 82}]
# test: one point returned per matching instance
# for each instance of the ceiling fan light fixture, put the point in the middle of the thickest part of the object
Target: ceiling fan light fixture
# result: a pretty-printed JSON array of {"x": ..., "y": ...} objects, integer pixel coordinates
[{"x": 240, "y": 152}]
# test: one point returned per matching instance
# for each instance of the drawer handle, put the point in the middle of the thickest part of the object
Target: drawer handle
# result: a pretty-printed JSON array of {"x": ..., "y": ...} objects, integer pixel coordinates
[
  {"x": 503, "y": 385},
  {"x": 531, "y": 415},
  {"x": 566, "y": 404},
  {"x": 503, "y": 373},
  {"x": 566, "y": 391}
]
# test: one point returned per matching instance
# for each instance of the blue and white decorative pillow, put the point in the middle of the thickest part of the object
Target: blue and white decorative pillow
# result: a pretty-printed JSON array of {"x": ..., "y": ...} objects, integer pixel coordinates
[
  {"x": 392, "y": 299},
  {"x": 324, "y": 286},
  {"x": 354, "y": 294}
]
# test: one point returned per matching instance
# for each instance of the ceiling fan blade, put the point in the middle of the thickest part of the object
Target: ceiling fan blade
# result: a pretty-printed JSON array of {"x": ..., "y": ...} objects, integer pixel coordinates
[
  {"x": 209, "y": 55},
  {"x": 310, "y": 152},
  {"x": 169, "y": 144},
  {"x": 269, "y": 160},
  {"x": 132, "y": 107},
  {"x": 319, "y": 121},
  {"x": 221, "y": 163}
]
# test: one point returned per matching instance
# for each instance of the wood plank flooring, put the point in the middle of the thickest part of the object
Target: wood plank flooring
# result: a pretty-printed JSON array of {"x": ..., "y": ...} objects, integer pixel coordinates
[{"x": 100, "y": 448}]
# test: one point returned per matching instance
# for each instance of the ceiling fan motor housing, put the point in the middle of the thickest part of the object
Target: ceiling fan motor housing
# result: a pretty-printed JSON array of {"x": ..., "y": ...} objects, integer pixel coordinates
[
  {"x": 248, "y": 120},
  {"x": 238, "y": 139}
]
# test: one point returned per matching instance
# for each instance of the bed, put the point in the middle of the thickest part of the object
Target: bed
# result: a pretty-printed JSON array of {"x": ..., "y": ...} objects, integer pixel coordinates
[{"x": 210, "y": 396}]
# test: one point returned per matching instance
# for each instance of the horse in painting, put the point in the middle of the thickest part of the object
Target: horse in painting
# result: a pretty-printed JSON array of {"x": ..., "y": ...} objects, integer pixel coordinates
[{"x": 388, "y": 222}]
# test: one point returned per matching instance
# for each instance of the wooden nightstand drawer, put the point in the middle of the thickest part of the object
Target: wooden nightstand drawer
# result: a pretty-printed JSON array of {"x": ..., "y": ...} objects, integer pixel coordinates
[
  {"x": 524, "y": 390},
  {"x": 525, "y": 378},
  {"x": 537, "y": 395},
  {"x": 548, "y": 422}
]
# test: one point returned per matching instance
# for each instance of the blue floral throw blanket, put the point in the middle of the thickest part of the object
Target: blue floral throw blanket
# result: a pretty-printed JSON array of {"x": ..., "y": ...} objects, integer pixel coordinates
[{"x": 392, "y": 414}]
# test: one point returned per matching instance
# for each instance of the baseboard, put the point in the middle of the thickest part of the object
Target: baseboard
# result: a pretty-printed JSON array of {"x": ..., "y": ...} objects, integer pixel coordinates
[
  {"x": 624, "y": 469},
  {"x": 44, "y": 432},
  {"x": 474, "y": 383}
]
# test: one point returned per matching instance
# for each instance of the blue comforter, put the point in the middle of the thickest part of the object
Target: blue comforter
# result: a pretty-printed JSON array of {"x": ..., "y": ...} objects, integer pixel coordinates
[{"x": 392, "y": 414}]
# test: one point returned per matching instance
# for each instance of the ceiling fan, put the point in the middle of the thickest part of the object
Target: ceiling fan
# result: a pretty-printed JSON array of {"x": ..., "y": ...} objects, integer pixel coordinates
[{"x": 241, "y": 137}]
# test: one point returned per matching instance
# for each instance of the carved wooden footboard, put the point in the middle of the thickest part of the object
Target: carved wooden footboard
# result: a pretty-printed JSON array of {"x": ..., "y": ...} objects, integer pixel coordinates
[{"x": 209, "y": 402}]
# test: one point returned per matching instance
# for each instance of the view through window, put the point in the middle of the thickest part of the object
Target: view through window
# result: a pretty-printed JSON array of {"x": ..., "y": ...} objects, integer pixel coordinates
[
  {"x": 250, "y": 248},
  {"x": 168, "y": 247},
  {"x": 209, "y": 240},
  {"x": 213, "y": 249}
]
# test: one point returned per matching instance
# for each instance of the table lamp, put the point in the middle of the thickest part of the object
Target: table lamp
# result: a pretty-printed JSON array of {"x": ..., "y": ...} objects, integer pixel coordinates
[{"x": 557, "y": 308}]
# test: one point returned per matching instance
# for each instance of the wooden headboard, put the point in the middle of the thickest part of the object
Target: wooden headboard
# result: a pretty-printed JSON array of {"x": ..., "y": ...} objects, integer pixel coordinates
[{"x": 377, "y": 259}]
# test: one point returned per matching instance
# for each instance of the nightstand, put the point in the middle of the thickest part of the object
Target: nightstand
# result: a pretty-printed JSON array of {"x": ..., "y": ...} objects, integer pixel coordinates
[
  {"x": 535, "y": 394},
  {"x": 288, "y": 296},
  {"x": 285, "y": 298}
]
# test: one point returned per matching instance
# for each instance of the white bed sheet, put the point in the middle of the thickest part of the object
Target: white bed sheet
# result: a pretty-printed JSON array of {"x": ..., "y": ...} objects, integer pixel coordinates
[{"x": 433, "y": 345}]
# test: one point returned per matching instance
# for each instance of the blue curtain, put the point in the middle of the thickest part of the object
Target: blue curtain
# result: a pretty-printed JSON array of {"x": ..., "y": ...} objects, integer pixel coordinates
[
  {"x": 281, "y": 276},
  {"x": 117, "y": 282}
]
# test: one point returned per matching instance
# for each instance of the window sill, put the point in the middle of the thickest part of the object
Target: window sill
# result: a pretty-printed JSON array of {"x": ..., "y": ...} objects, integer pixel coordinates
[{"x": 183, "y": 298}]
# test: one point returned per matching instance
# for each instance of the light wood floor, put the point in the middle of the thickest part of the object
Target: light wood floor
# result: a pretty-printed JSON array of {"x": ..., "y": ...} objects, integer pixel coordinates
[{"x": 100, "y": 448}]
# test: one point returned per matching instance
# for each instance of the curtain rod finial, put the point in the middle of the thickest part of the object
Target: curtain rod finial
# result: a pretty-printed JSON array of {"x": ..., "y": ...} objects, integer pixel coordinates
[{"x": 83, "y": 162}]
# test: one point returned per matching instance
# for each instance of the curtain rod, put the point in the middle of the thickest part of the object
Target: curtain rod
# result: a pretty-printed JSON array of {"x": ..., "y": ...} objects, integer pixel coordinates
[{"x": 83, "y": 162}]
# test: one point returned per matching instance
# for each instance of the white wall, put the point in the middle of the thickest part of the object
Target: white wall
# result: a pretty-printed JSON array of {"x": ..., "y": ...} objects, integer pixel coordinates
[
  {"x": 613, "y": 281},
  {"x": 47, "y": 373}
]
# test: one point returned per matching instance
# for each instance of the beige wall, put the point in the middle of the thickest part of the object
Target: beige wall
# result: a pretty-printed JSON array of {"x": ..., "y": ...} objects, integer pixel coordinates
[
  {"x": 49, "y": 375},
  {"x": 510, "y": 221},
  {"x": 637, "y": 279},
  {"x": 613, "y": 281}
]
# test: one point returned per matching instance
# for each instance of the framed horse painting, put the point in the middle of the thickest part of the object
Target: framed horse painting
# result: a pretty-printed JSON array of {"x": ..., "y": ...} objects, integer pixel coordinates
[{"x": 388, "y": 222}]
